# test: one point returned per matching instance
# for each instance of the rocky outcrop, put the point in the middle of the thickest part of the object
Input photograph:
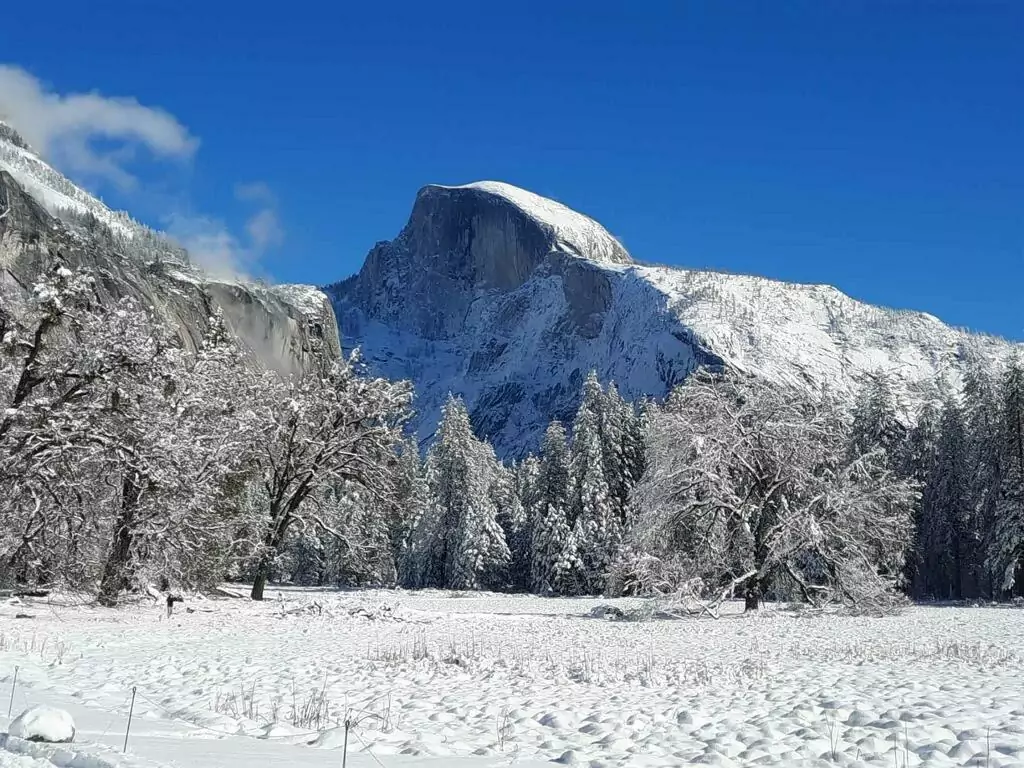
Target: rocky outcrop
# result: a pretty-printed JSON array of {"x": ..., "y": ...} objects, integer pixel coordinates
[
  {"x": 509, "y": 299},
  {"x": 287, "y": 327}
]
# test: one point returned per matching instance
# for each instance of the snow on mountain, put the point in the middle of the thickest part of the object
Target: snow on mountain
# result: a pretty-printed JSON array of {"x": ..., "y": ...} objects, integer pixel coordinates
[
  {"x": 47, "y": 214},
  {"x": 508, "y": 299},
  {"x": 573, "y": 231},
  {"x": 53, "y": 190}
]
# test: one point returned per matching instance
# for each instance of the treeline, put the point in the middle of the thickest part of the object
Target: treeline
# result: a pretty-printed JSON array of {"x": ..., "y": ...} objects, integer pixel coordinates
[{"x": 126, "y": 462}]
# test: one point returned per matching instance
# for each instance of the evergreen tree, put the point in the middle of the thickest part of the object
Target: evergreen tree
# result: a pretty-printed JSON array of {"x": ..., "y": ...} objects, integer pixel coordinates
[
  {"x": 616, "y": 419},
  {"x": 595, "y": 519},
  {"x": 551, "y": 524},
  {"x": 458, "y": 543},
  {"x": 875, "y": 421},
  {"x": 984, "y": 456},
  {"x": 917, "y": 461},
  {"x": 507, "y": 493},
  {"x": 410, "y": 497},
  {"x": 1007, "y": 551},
  {"x": 947, "y": 541}
]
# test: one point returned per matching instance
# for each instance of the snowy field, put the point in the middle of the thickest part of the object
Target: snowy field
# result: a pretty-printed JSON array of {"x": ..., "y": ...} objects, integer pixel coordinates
[{"x": 445, "y": 679}]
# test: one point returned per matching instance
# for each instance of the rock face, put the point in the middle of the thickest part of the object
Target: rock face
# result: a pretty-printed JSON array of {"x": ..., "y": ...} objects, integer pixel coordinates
[
  {"x": 508, "y": 299},
  {"x": 44, "y": 216}
]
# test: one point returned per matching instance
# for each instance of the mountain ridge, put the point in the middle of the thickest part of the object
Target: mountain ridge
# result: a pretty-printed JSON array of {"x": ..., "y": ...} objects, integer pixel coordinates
[
  {"x": 288, "y": 327},
  {"x": 477, "y": 296}
]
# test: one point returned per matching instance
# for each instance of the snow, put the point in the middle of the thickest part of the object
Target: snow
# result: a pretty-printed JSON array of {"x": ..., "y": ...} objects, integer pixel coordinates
[
  {"x": 43, "y": 723},
  {"x": 254, "y": 309},
  {"x": 795, "y": 332},
  {"x": 308, "y": 299},
  {"x": 55, "y": 192},
  {"x": 583, "y": 235},
  {"x": 443, "y": 679},
  {"x": 518, "y": 355}
]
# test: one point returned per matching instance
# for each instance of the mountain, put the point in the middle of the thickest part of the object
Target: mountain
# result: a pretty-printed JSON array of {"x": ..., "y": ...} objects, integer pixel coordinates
[
  {"x": 509, "y": 299},
  {"x": 44, "y": 215}
]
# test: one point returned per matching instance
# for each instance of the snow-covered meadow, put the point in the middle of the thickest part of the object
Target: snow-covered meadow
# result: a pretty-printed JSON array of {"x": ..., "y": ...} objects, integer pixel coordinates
[{"x": 438, "y": 678}]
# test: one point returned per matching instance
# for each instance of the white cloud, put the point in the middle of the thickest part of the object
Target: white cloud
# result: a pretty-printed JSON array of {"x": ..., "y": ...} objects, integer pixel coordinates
[
  {"x": 96, "y": 138},
  {"x": 211, "y": 244},
  {"x": 264, "y": 229},
  {"x": 66, "y": 128},
  {"x": 264, "y": 226}
]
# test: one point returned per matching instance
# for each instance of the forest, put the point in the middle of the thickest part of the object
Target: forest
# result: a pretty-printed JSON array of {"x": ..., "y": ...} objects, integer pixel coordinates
[{"x": 128, "y": 461}]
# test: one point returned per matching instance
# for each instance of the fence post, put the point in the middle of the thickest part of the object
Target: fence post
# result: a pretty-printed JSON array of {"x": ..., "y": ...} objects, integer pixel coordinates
[
  {"x": 14, "y": 684},
  {"x": 131, "y": 711}
]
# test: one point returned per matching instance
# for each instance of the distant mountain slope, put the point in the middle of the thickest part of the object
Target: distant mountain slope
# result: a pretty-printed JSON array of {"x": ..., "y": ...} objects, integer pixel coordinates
[
  {"x": 47, "y": 215},
  {"x": 509, "y": 299}
]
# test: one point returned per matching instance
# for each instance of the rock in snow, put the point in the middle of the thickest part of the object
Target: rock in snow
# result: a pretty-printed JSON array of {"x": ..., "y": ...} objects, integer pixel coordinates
[
  {"x": 508, "y": 299},
  {"x": 41, "y": 723}
]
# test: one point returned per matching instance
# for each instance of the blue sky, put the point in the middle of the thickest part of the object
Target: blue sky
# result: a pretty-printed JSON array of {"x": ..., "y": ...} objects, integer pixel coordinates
[{"x": 878, "y": 146}]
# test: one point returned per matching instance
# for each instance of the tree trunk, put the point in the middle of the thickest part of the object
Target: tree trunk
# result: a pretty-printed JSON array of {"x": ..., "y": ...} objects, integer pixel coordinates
[
  {"x": 259, "y": 582},
  {"x": 115, "y": 570},
  {"x": 272, "y": 541},
  {"x": 752, "y": 596}
]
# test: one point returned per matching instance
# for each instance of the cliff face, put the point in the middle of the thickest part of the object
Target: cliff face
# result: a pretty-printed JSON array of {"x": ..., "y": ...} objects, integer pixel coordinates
[
  {"x": 47, "y": 218},
  {"x": 509, "y": 299}
]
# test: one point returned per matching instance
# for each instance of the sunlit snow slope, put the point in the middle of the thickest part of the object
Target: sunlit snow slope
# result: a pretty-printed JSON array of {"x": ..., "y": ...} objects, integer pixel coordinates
[{"x": 509, "y": 299}]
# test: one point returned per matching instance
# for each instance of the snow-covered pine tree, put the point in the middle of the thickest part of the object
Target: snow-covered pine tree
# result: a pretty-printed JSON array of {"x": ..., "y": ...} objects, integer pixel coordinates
[
  {"x": 616, "y": 419},
  {"x": 551, "y": 528},
  {"x": 946, "y": 539},
  {"x": 917, "y": 461},
  {"x": 458, "y": 544},
  {"x": 984, "y": 456},
  {"x": 593, "y": 511},
  {"x": 410, "y": 500},
  {"x": 635, "y": 450},
  {"x": 876, "y": 423},
  {"x": 514, "y": 522},
  {"x": 1007, "y": 552}
]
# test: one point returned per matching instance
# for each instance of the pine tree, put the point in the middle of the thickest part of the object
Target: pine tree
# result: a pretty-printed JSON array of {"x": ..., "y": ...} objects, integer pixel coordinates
[
  {"x": 947, "y": 541},
  {"x": 551, "y": 525},
  {"x": 593, "y": 511},
  {"x": 917, "y": 461},
  {"x": 875, "y": 420},
  {"x": 1007, "y": 553},
  {"x": 984, "y": 456},
  {"x": 458, "y": 543},
  {"x": 617, "y": 417},
  {"x": 410, "y": 498},
  {"x": 514, "y": 521}
]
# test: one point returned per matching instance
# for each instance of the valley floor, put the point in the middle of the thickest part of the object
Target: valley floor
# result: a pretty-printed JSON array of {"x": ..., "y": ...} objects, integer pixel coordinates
[{"x": 480, "y": 680}]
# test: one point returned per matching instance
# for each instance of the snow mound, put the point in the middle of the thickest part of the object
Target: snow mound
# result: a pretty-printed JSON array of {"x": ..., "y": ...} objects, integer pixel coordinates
[
  {"x": 42, "y": 723},
  {"x": 572, "y": 229}
]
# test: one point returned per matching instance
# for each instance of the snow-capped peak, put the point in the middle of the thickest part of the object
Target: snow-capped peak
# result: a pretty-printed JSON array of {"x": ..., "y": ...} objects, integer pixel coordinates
[{"x": 573, "y": 230}]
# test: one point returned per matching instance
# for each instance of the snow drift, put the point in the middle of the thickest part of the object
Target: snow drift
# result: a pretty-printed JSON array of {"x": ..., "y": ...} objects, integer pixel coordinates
[{"x": 43, "y": 723}]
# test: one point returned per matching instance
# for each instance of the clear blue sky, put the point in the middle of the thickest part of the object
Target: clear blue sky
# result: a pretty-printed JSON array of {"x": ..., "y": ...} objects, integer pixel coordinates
[{"x": 875, "y": 146}]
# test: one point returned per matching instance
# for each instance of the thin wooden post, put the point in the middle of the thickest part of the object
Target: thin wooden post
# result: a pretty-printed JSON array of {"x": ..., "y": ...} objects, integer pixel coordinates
[
  {"x": 131, "y": 711},
  {"x": 14, "y": 684}
]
